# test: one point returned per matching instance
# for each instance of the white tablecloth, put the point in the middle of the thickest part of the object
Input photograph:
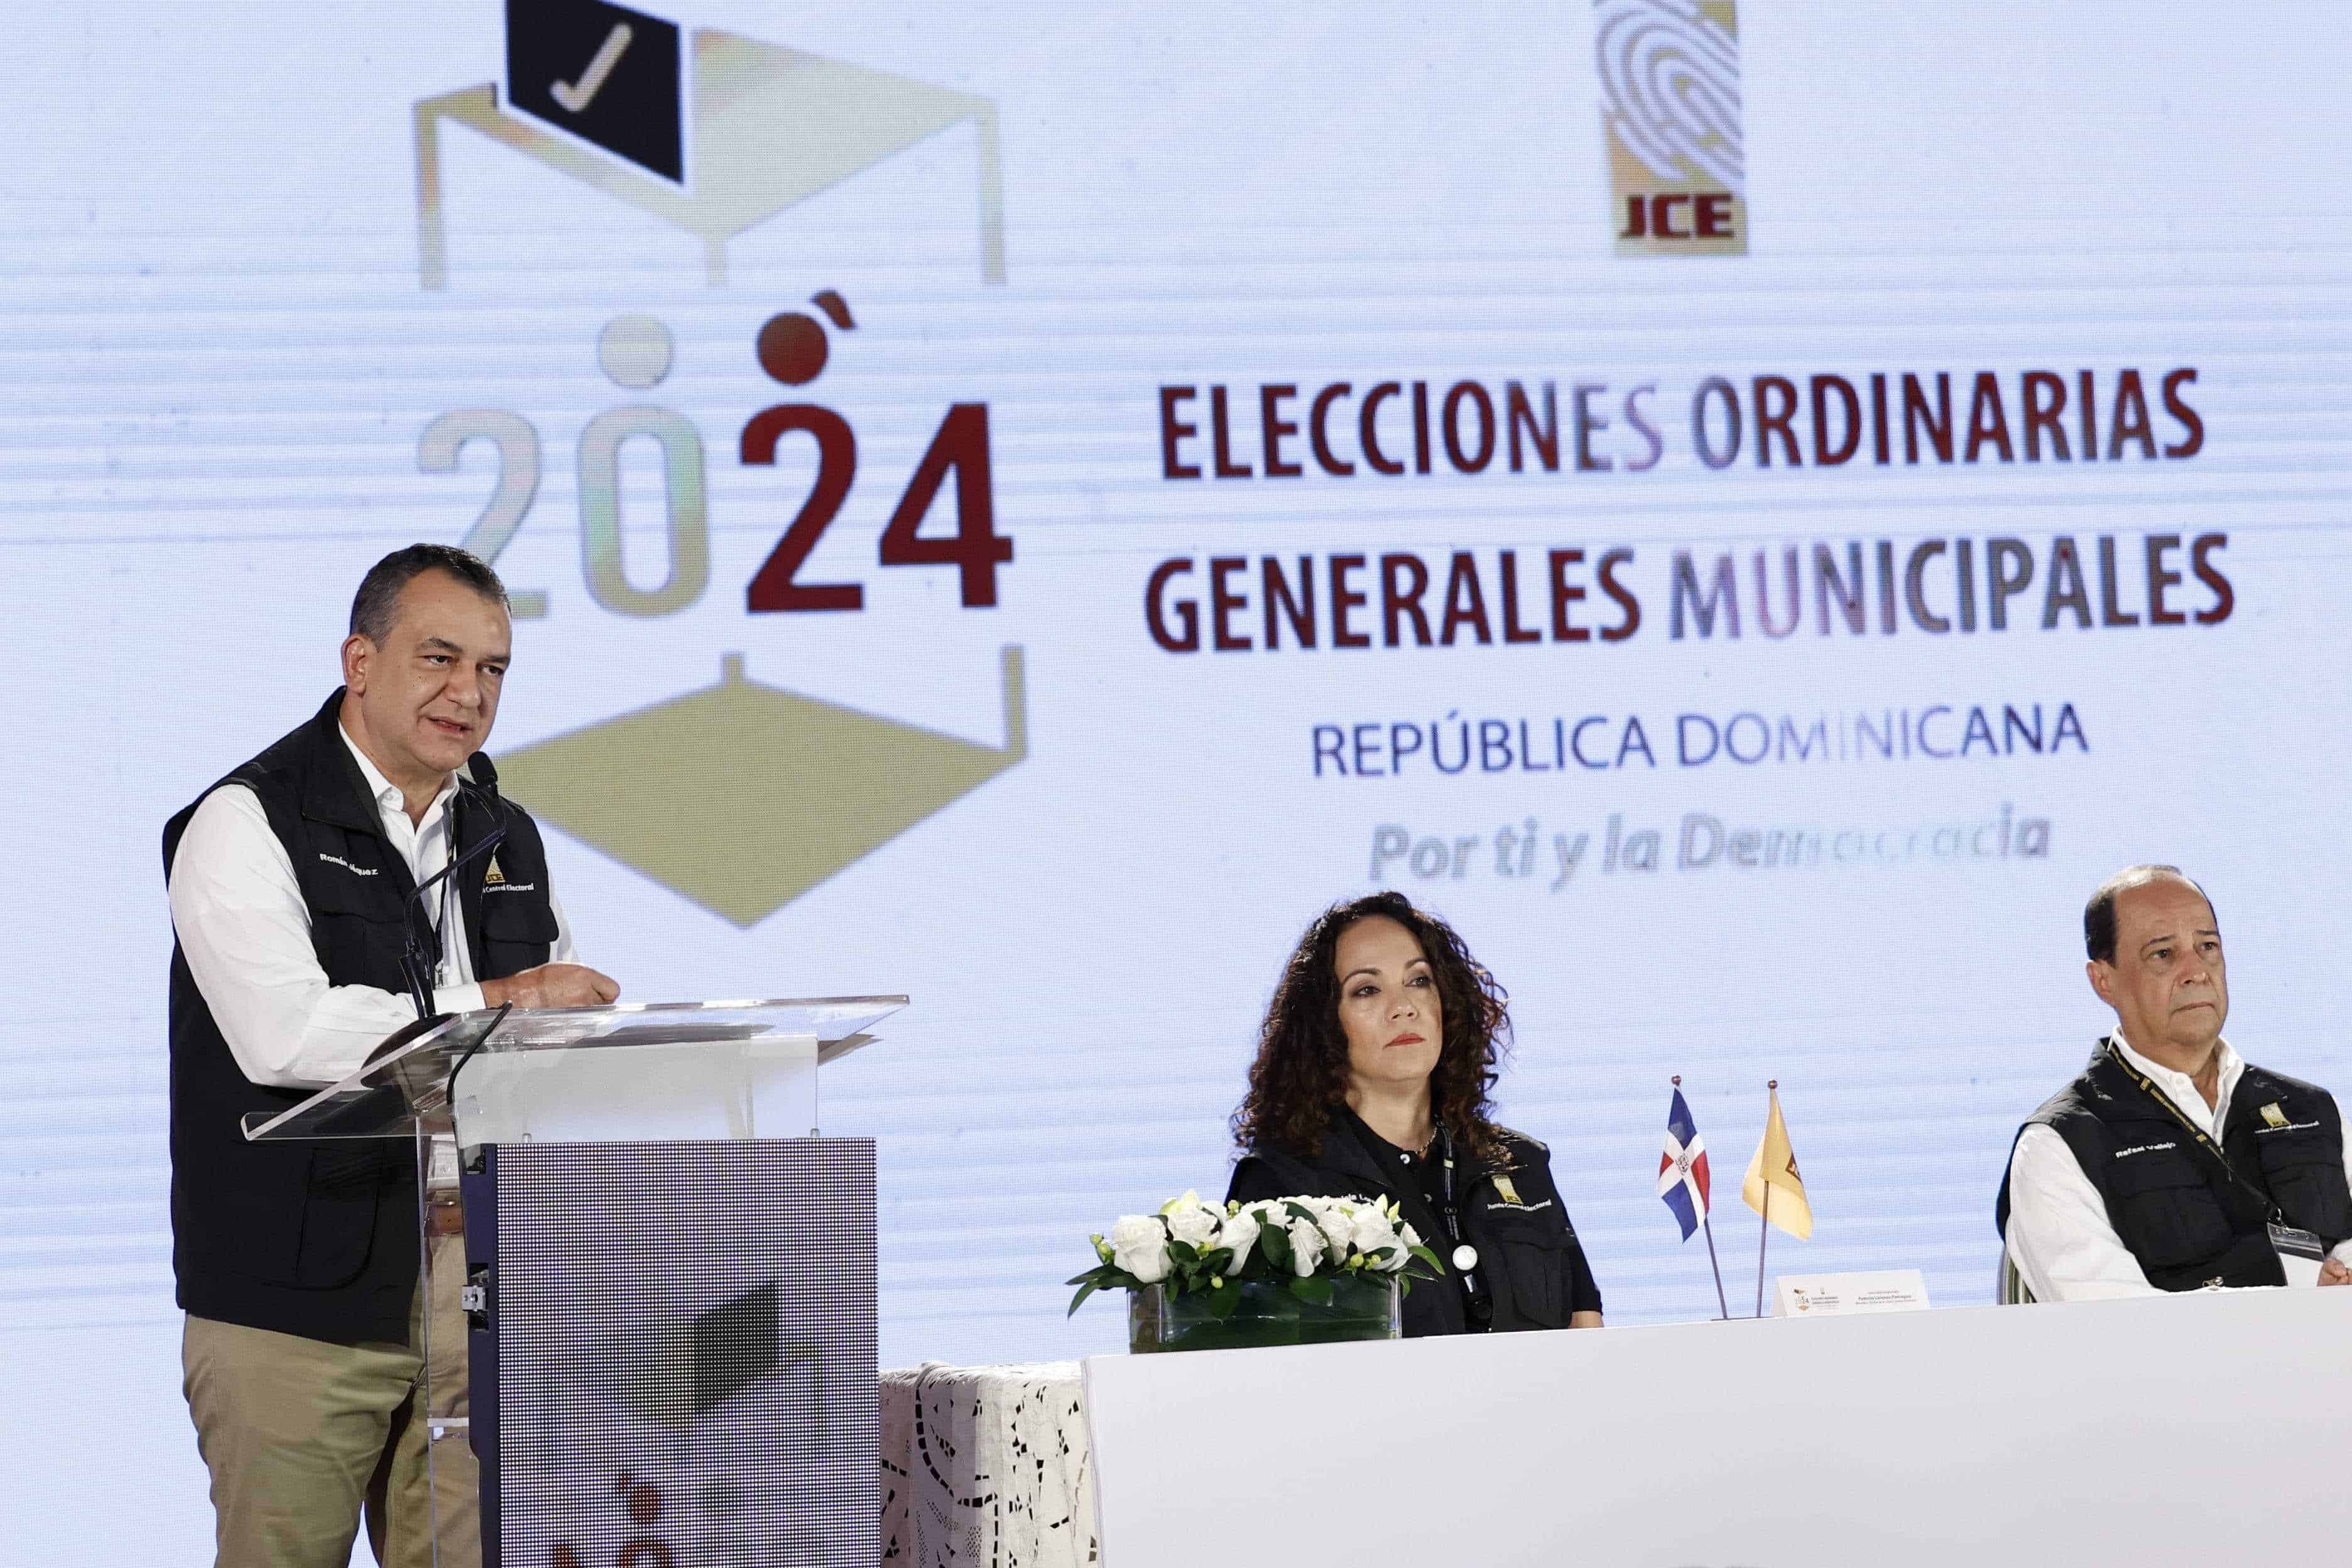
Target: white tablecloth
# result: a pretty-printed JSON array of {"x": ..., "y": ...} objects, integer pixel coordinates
[
  {"x": 2207, "y": 1427},
  {"x": 986, "y": 1467}
]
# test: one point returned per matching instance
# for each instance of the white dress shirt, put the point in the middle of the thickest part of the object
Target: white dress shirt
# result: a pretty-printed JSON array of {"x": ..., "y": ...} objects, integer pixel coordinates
[
  {"x": 2059, "y": 1235},
  {"x": 244, "y": 930}
]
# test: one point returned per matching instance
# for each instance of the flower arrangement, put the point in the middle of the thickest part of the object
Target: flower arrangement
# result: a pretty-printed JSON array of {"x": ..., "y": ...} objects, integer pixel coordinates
[{"x": 1190, "y": 1247}]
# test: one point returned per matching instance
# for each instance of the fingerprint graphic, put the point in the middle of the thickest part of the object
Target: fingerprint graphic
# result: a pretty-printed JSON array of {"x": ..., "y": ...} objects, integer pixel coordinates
[{"x": 1671, "y": 75}]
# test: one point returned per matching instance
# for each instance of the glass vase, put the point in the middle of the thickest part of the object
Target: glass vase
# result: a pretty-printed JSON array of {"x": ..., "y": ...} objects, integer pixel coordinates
[{"x": 1266, "y": 1313}]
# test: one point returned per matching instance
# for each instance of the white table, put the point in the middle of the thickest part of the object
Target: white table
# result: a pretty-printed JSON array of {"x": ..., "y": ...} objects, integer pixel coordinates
[
  {"x": 2210, "y": 1427},
  {"x": 2204, "y": 1428}
]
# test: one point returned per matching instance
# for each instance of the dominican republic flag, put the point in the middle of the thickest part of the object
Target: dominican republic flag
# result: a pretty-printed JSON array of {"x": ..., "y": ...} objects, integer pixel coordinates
[{"x": 1682, "y": 1170}]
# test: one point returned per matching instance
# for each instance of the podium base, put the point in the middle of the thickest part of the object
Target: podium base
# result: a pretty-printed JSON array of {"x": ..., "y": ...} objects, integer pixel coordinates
[{"x": 676, "y": 1348}]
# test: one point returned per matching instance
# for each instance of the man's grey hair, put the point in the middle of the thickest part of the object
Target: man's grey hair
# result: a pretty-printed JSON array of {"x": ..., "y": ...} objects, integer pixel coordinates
[
  {"x": 2099, "y": 914},
  {"x": 376, "y": 607}
]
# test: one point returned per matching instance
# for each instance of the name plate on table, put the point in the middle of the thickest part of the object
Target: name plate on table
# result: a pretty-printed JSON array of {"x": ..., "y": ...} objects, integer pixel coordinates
[{"x": 1849, "y": 1295}]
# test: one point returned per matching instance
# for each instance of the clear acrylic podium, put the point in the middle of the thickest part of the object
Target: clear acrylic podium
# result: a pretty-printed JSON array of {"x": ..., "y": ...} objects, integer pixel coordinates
[{"x": 669, "y": 1275}]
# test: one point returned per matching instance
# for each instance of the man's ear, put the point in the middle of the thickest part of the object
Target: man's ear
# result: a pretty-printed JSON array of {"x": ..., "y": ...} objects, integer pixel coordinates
[
  {"x": 357, "y": 651},
  {"x": 2103, "y": 980}
]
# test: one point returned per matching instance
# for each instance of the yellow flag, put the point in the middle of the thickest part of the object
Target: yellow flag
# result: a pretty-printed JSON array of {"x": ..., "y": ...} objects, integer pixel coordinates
[{"x": 1775, "y": 1165}]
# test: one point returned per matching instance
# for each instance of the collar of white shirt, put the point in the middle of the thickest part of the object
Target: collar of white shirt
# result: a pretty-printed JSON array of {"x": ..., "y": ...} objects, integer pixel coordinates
[
  {"x": 2181, "y": 1089},
  {"x": 388, "y": 798}
]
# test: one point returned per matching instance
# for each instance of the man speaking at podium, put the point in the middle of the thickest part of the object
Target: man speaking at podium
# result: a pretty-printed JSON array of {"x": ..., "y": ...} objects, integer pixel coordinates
[
  {"x": 295, "y": 886},
  {"x": 2171, "y": 1163}
]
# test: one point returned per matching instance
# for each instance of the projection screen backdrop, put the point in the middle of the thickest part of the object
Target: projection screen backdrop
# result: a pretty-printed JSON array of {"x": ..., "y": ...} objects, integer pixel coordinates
[{"x": 1748, "y": 510}]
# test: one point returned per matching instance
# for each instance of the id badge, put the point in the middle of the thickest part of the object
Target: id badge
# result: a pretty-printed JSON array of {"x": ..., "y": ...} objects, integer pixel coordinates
[{"x": 2299, "y": 1254}]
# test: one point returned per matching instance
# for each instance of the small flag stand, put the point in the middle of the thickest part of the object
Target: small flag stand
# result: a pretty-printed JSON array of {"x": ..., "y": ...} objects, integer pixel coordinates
[
  {"x": 1775, "y": 1165},
  {"x": 1763, "y": 1235},
  {"x": 1683, "y": 1184},
  {"x": 1706, "y": 1223}
]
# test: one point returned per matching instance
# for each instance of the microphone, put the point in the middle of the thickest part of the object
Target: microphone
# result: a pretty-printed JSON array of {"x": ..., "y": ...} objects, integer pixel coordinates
[{"x": 417, "y": 965}]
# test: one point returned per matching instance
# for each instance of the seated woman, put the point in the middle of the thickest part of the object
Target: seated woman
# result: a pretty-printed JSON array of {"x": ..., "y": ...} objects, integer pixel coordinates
[{"x": 1371, "y": 1077}]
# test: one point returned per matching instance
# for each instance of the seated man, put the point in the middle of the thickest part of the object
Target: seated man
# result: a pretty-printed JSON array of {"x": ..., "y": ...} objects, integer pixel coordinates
[{"x": 2171, "y": 1164}]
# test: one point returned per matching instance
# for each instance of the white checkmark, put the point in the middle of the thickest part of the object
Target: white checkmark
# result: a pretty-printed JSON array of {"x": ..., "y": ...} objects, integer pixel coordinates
[{"x": 591, "y": 80}]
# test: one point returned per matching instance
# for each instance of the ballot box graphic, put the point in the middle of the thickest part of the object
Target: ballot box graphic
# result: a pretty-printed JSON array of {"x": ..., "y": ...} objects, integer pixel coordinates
[
  {"x": 784, "y": 790},
  {"x": 670, "y": 1274},
  {"x": 610, "y": 76},
  {"x": 708, "y": 131}
]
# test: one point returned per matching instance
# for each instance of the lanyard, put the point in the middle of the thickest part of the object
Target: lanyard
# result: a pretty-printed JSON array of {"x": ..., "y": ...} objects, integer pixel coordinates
[
  {"x": 2147, "y": 1087},
  {"x": 449, "y": 893},
  {"x": 444, "y": 972},
  {"x": 1446, "y": 1210},
  {"x": 1473, "y": 1293}
]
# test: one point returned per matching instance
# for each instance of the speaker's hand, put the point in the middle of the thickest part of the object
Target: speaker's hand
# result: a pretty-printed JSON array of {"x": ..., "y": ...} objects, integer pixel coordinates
[{"x": 552, "y": 985}]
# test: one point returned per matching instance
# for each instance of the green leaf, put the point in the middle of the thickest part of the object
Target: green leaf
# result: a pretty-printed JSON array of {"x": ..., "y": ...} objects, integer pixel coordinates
[
  {"x": 1092, "y": 1287},
  {"x": 1312, "y": 1288},
  {"x": 1425, "y": 1256},
  {"x": 1274, "y": 1246},
  {"x": 1221, "y": 1303},
  {"x": 1107, "y": 1278},
  {"x": 1182, "y": 1251}
]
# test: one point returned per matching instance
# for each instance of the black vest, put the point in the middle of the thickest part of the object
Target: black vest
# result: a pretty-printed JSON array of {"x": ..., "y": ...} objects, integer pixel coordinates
[
  {"x": 1533, "y": 1255},
  {"x": 319, "y": 1240},
  {"x": 2172, "y": 1202}
]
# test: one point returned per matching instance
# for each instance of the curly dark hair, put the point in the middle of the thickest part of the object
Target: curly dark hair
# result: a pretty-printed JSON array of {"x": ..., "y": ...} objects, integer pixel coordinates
[{"x": 1301, "y": 1070}]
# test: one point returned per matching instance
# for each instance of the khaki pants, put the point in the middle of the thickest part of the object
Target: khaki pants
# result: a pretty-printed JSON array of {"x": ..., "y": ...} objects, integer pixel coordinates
[{"x": 303, "y": 1439}]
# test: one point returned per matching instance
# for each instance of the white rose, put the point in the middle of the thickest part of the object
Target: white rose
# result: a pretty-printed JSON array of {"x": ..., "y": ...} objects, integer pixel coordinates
[
  {"x": 1191, "y": 1222},
  {"x": 1410, "y": 1237},
  {"x": 1338, "y": 1219},
  {"x": 1374, "y": 1232},
  {"x": 1305, "y": 1246},
  {"x": 1241, "y": 1234},
  {"x": 1265, "y": 1215},
  {"x": 1138, "y": 1244}
]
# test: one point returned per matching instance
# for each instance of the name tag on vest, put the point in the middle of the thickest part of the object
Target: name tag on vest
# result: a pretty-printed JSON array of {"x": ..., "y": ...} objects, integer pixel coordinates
[{"x": 2299, "y": 1254}]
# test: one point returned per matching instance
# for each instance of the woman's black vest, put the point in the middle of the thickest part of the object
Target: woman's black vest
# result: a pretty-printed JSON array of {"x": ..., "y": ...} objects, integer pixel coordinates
[
  {"x": 319, "y": 1240},
  {"x": 2170, "y": 1196},
  {"x": 1534, "y": 1254}
]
